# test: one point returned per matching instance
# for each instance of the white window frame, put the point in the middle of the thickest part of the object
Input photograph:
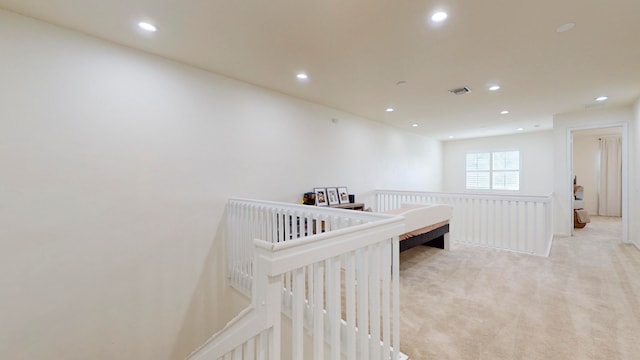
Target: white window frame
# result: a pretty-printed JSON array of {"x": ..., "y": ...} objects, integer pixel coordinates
[{"x": 491, "y": 170}]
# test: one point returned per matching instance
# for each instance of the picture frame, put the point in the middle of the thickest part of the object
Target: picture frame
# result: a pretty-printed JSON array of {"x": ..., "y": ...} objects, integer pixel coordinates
[
  {"x": 343, "y": 195},
  {"x": 321, "y": 196},
  {"x": 332, "y": 196}
]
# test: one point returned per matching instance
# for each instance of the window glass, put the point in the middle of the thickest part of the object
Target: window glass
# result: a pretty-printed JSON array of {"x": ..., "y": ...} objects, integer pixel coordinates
[
  {"x": 478, "y": 180},
  {"x": 493, "y": 170},
  {"x": 509, "y": 160},
  {"x": 478, "y": 161},
  {"x": 506, "y": 180}
]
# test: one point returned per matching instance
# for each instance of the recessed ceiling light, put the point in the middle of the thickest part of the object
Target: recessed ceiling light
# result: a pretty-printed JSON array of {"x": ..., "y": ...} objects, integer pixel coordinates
[
  {"x": 415, "y": 125},
  {"x": 302, "y": 76},
  {"x": 565, "y": 27},
  {"x": 389, "y": 109},
  {"x": 440, "y": 16},
  {"x": 450, "y": 136},
  {"x": 494, "y": 87},
  {"x": 504, "y": 112},
  {"x": 520, "y": 129},
  {"x": 147, "y": 27},
  {"x": 602, "y": 98}
]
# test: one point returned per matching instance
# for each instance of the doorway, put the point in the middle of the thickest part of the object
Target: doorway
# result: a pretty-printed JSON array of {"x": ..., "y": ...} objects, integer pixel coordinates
[{"x": 598, "y": 176}]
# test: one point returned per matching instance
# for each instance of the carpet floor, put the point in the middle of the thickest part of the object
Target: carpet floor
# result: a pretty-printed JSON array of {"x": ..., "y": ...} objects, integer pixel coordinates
[{"x": 582, "y": 302}]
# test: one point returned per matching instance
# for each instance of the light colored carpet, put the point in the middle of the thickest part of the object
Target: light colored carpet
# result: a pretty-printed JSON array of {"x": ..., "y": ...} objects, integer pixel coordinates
[{"x": 582, "y": 302}]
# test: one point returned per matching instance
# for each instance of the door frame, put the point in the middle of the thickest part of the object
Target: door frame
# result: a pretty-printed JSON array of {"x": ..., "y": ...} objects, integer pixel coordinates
[{"x": 625, "y": 171}]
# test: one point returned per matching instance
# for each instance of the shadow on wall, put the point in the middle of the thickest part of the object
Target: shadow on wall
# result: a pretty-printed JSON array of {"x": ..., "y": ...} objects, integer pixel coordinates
[{"x": 209, "y": 309}]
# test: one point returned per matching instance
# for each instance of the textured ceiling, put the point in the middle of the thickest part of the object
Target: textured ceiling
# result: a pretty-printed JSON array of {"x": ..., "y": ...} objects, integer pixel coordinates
[{"x": 356, "y": 51}]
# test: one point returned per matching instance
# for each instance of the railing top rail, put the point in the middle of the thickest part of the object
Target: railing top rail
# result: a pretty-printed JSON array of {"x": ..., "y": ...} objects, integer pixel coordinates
[
  {"x": 289, "y": 255},
  {"x": 511, "y": 197},
  {"x": 320, "y": 210},
  {"x": 275, "y": 247}
]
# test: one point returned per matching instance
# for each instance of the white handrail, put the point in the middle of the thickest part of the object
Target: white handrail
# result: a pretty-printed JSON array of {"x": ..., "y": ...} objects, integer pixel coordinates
[{"x": 542, "y": 198}]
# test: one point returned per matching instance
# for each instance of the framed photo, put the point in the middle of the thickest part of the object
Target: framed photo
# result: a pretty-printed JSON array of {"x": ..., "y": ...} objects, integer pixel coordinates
[
  {"x": 332, "y": 194},
  {"x": 321, "y": 196},
  {"x": 343, "y": 195}
]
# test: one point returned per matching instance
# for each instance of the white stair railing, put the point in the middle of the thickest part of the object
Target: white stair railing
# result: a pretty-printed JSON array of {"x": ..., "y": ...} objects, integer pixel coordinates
[
  {"x": 276, "y": 222},
  {"x": 333, "y": 272},
  {"x": 343, "y": 290},
  {"x": 508, "y": 222}
]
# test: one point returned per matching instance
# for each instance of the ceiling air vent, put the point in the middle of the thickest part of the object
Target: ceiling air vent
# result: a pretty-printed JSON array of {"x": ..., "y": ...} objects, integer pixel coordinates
[{"x": 460, "y": 91}]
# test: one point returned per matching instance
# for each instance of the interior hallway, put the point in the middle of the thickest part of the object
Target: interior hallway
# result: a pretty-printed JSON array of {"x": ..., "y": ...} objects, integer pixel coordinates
[{"x": 474, "y": 303}]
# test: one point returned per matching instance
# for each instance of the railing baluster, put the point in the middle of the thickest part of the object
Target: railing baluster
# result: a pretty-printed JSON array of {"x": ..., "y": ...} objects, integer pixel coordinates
[
  {"x": 350, "y": 297},
  {"x": 243, "y": 246},
  {"x": 309, "y": 293},
  {"x": 262, "y": 345},
  {"x": 536, "y": 224},
  {"x": 374, "y": 296},
  {"x": 395, "y": 266},
  {"x": 495, "y": 220},
  {"x": 363, "y": 303},
  {"x": 526, "y": 229},
  {"x": 547, "y": 224},
  {"x": 386, "y": 299},
  {"x": 237, "y": 353},
  {"x": 318, "y": 311},
  {"x": 517, "y": 236},
  {"x": 466, "y": 226},
  {"x": 333, "y": 305},
  {"x": 249, "y": 350},
  {"x": 485, "y": 223},
  {"x": 503, "y": 235},
  {"x": 297, "y": 318}
]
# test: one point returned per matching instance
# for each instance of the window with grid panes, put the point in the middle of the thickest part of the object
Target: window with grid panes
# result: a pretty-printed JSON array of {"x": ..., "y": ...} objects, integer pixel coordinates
[{"x": 493, "y": 170}]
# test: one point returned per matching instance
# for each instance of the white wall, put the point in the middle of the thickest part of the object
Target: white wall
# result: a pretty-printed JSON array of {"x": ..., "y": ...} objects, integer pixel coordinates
[
  {"x": 536, "y": 155},
  {"x": 563, "y": 184},
  {"x": 586, "y": 166},
  {"x": 116, "y": 166}
]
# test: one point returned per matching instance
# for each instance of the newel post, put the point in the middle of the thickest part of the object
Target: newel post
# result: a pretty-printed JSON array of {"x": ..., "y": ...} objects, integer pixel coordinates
[{"x": 267, "y": 290}]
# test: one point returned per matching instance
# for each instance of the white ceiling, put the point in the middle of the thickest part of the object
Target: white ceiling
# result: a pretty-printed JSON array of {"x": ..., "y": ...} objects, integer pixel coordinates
[{"x": 355, "y": 51}]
